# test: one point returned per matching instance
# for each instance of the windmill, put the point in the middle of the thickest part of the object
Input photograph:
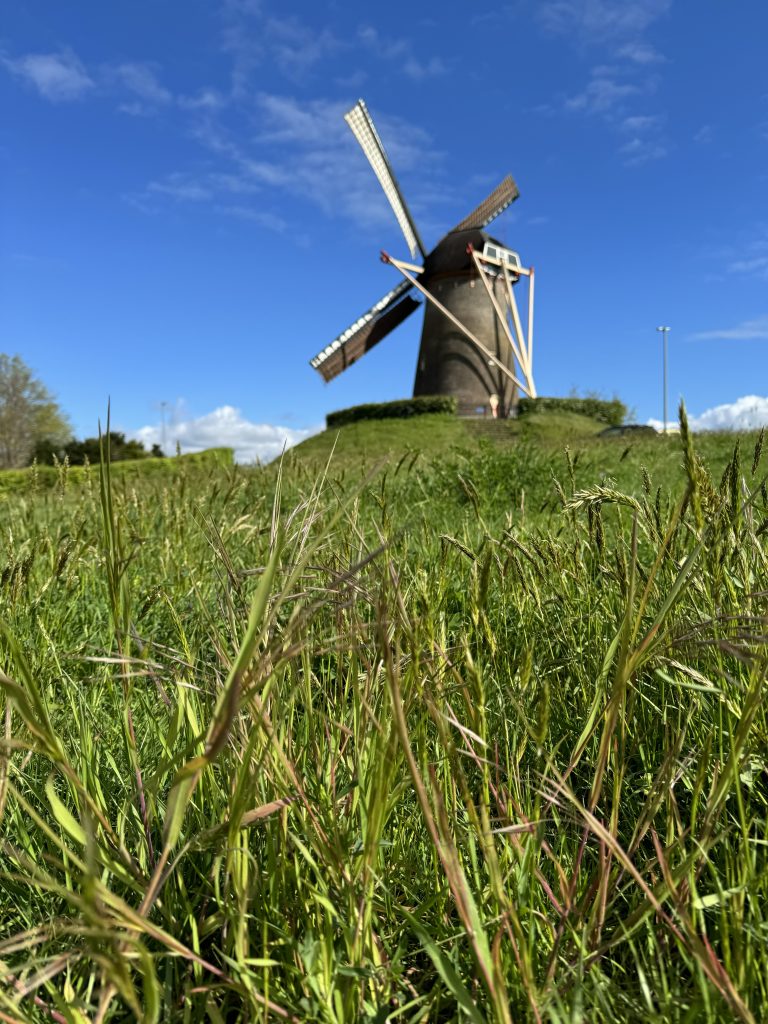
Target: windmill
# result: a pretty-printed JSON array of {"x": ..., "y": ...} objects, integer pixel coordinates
[{"x": 473, "y": 345}]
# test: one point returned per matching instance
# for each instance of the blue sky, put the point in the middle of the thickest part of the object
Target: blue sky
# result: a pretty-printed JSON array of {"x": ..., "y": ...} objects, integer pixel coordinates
[{"x": 187, "y": 219}]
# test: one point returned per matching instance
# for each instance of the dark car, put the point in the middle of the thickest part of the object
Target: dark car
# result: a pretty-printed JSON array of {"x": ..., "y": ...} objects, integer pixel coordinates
[{"x": 631, "y": 429}]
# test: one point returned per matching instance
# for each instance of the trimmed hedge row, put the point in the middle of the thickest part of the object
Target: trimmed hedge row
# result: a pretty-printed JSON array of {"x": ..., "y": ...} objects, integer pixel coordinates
[
  {"x": 400, "y": 409},
  {"x": 612, "y": 412}
]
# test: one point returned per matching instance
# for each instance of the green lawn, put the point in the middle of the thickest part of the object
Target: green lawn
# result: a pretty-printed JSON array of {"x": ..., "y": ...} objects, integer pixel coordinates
[{"x": 470, "y": 727}]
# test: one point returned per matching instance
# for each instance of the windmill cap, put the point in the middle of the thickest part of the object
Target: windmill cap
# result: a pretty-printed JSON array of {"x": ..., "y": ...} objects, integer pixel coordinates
[{"x": 451, "y": 254}]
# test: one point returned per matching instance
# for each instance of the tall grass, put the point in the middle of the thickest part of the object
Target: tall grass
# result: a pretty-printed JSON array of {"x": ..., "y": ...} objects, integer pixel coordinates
[{"x": 479, "y": 739}]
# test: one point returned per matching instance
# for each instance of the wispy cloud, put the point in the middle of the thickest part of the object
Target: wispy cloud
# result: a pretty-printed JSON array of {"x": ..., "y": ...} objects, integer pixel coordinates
[
  {"x": 751, "y": 258},
  {"x": 297, "y": 47},
  {"x": 641, "y": 151},
  {"x": 205, "y": 100},
  {"x": 245, "y": 7},
  {"x": 639, "y": 52},
  {"x": 601, "y": 95},
  {"x": 628, "y": 71},
  {"x": 600, "y": 20},
  {"x": 645, "y": 142},
  {"x": 754, "y": 265},
  {"x": 137, "y": 85},
  {"x": 704, "y": 135},
  {"x": 286, "y": 120},
  {"x": 142, "y": 84},
  {"x": 264, "y": 218},
  {"x": 58, "y": 77},
  {"x": 641, "y": 123},
  {"x": 401, "y": 51},
  {"x": 301, "y": 150},
  {"x": 241, "y": 42},
  {"x": 225, "y": 427},
  {"x": 419, "y": 70},
  {"x": 609, "y": 95},
  {"x": 748, "y": 330},
  {"x": 181, "y": 187},
  {"x": 746, "y": 256},
  {"x": 142, "y": 80},
  {"x": 383, "y": 46}
]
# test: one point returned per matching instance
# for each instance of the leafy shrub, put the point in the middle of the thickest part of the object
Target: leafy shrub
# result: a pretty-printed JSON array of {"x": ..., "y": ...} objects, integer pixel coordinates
[
  {"x": 400, "y": 409},
  {"x": 612, "y": 412}
]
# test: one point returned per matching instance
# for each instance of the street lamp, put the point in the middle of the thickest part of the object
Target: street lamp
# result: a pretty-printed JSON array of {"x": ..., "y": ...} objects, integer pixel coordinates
[{"x": 665, "y": 331}]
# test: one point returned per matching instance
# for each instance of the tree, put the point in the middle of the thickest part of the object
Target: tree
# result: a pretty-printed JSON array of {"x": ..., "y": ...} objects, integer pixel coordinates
[
  {"x": 28, "y": 414},
  {"x": 89, "y": 450}
]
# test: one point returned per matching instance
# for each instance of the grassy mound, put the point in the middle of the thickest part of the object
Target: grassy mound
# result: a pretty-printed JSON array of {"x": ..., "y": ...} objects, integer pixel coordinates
[
  {"x": 480, "y": 738},
  {"x": 369, "y": 442}
]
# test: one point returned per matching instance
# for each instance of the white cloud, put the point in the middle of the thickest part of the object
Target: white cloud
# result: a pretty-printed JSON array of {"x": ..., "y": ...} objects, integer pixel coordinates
[
  {"x": 225, "y": 427},
  {"x": 748, "y": 330},
  {"x": 747, "y": 413},
  {"x": 58, "y": 77}
]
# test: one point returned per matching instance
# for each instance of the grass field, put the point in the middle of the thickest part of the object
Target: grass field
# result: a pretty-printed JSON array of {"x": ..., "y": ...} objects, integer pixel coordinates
[{"x": 455, "y": 728}]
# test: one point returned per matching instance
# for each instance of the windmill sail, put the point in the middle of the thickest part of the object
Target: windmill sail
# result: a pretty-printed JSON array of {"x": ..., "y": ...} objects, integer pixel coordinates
[
  {"x": 364, "y": 130},
  {"x": 490, "y": 208},
  {"x": 365, "y": 332}
]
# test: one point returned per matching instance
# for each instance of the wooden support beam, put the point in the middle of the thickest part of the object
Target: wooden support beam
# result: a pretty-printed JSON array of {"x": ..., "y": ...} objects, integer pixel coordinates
[
  {"x": 457, "y": 323},
  {"x": 531, "y": 389},
  {"x": 530, "y": 320},
  {"x": 517, "y": 350}
]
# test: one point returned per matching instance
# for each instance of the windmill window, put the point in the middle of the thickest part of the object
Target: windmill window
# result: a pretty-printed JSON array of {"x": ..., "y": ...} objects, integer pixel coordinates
[{"x": 497, "y": 252}]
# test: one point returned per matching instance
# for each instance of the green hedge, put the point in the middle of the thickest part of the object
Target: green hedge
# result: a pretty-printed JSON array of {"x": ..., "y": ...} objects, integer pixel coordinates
[
  {"x": 47, "y": 477},
  {"x": 612, "y": 412},
  {"x": 401, "y": 409}
]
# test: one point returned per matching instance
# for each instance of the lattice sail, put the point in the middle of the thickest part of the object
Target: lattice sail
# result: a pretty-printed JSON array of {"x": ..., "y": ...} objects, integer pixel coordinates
[
  {"x": 364, "y": 130},
  {"x": 490, "y": 208},
  {"x": 367, "y": 331}
]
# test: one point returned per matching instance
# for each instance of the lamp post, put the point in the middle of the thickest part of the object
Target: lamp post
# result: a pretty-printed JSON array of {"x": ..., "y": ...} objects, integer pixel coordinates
[{"x": 664, "y": 332}]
